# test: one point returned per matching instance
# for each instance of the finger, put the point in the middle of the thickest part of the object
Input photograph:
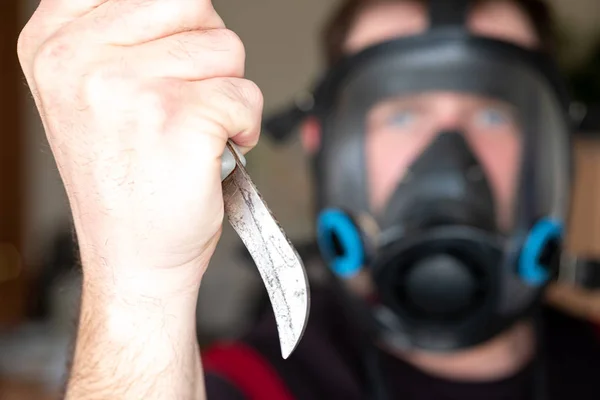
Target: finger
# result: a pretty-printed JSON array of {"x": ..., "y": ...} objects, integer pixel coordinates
[
  {"x": 213, "y": 111},
  {"x": 193, "y": 55},
  {"x": 220, "y": 109},
  {"x": 129, "y": 22},
  {"x": 246, "y": 96}
]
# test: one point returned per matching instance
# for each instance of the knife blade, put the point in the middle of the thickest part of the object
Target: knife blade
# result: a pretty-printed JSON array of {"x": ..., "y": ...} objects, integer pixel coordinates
[{"x": 278, "y": 262}]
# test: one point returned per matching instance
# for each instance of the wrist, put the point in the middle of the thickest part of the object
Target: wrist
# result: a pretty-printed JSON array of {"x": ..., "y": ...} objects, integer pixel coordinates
[
  {"x": 115, "y": 274},
  {"x": 117, "y": 251},
  {"x": 143, "y": 288},
  {"x": 125, "y": 302},
  {"x": 126, "y": 318},
  {"x": 122, "y": 310}
]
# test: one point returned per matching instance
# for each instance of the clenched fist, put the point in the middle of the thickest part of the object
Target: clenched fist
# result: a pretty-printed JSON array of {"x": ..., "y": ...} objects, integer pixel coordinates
[{"x": 138, "y": 98}]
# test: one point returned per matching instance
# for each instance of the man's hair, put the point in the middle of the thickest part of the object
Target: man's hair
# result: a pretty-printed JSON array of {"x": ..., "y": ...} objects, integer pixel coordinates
[{"x": 341, "y": 22}]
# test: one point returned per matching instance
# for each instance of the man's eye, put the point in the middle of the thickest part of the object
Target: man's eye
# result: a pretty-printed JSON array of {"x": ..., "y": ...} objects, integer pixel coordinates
[
  {"x": 493, "y": 118},
  {"x": 401, "y": 119}
]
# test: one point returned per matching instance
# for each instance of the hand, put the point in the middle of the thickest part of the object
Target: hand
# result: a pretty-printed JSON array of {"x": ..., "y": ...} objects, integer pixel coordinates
[{"x": 138, "y": 98}]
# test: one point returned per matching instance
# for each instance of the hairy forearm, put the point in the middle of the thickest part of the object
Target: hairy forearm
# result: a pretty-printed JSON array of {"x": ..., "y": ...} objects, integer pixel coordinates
[{"x": 133, "y": 346}]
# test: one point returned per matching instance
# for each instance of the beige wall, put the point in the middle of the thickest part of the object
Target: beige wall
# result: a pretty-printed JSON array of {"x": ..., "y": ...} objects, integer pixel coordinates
[{"x": 580, "y": 20}]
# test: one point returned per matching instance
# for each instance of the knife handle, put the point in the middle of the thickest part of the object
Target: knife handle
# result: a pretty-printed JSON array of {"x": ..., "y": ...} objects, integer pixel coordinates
[{"x": 228, "y": 160}]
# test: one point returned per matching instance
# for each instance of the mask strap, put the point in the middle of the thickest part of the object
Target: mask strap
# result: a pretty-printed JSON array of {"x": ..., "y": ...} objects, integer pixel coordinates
[{"x": 448, "y": 13}]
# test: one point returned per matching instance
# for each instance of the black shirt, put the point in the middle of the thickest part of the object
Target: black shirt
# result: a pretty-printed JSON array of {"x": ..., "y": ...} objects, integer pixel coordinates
[{"x": 329, "y": 363}]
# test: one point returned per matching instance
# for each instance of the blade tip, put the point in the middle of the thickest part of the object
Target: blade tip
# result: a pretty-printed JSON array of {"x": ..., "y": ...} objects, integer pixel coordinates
[{"x": 287, "y": 350}]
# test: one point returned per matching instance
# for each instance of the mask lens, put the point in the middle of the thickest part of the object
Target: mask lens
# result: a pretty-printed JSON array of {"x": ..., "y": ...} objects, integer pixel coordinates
[
  {"x": 392, "y": 106},
  {"x": 400, "y": 129}
]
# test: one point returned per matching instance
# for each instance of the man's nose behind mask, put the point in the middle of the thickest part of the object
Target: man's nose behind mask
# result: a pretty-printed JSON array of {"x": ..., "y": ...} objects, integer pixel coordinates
[{"x": 445, "y": 185}]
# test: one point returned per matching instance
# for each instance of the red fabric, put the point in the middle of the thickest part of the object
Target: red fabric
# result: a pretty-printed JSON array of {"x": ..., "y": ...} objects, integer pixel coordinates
[{"x": 247, "y": 370}]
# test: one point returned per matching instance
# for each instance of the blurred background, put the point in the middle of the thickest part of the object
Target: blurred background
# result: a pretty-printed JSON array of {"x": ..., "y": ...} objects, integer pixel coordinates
[{"x": 39, "y": 278}]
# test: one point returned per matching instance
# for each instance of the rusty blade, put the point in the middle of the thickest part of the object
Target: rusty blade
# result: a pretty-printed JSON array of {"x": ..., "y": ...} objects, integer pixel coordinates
[{"x": 278, "y": 262}]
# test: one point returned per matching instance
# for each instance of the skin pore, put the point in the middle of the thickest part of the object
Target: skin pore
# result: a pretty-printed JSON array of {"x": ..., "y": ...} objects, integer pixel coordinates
[{"x": 399, "y": 130}]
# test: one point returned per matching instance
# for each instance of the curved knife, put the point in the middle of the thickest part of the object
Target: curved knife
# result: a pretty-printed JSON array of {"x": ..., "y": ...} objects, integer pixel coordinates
[{"x": 278, "y": 262}]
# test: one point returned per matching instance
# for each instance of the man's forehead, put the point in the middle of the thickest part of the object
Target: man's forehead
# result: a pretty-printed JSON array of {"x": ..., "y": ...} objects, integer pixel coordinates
[{"x": 386, "y": 20}]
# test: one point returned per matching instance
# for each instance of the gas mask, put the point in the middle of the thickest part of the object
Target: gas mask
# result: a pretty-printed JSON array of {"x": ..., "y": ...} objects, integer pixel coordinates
[{"x": 449, "y": 270}]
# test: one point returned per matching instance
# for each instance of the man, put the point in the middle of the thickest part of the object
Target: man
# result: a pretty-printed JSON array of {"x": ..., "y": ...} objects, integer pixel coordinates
[
  {"x": 399, "y": 130},
  {"x": 138, "y": 99}
]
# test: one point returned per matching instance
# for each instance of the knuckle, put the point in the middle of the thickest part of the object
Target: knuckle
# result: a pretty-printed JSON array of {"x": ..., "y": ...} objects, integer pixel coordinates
[
  {"x": 175, "y": 9},
  {"x": 156, "y": 103},
  {"x": 189, "y": 14},
  {"x": 101, "y": 85},
  {"x": 54, "y": 49},
  {"x": 225, "y": 45},
  {"x": 28, "y": 37},
  {"x": 109, "y": 86},
  {"x": 24, "y": 42},
  {"x": 233, "y": 43},
  {"x": 154, "y": 97},
  {"x": 241, "y": 100},
  {"x": 52, "y": 58},
  {"x": 219, "y": 50},
  {"x": 135, "y": 104},
  {"x": 250, "y": 94},
  {"x": 99, "y": 79}
]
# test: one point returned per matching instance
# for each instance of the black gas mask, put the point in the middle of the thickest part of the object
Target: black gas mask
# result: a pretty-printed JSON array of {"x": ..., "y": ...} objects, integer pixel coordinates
[{"x": 451, "y": 267}]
